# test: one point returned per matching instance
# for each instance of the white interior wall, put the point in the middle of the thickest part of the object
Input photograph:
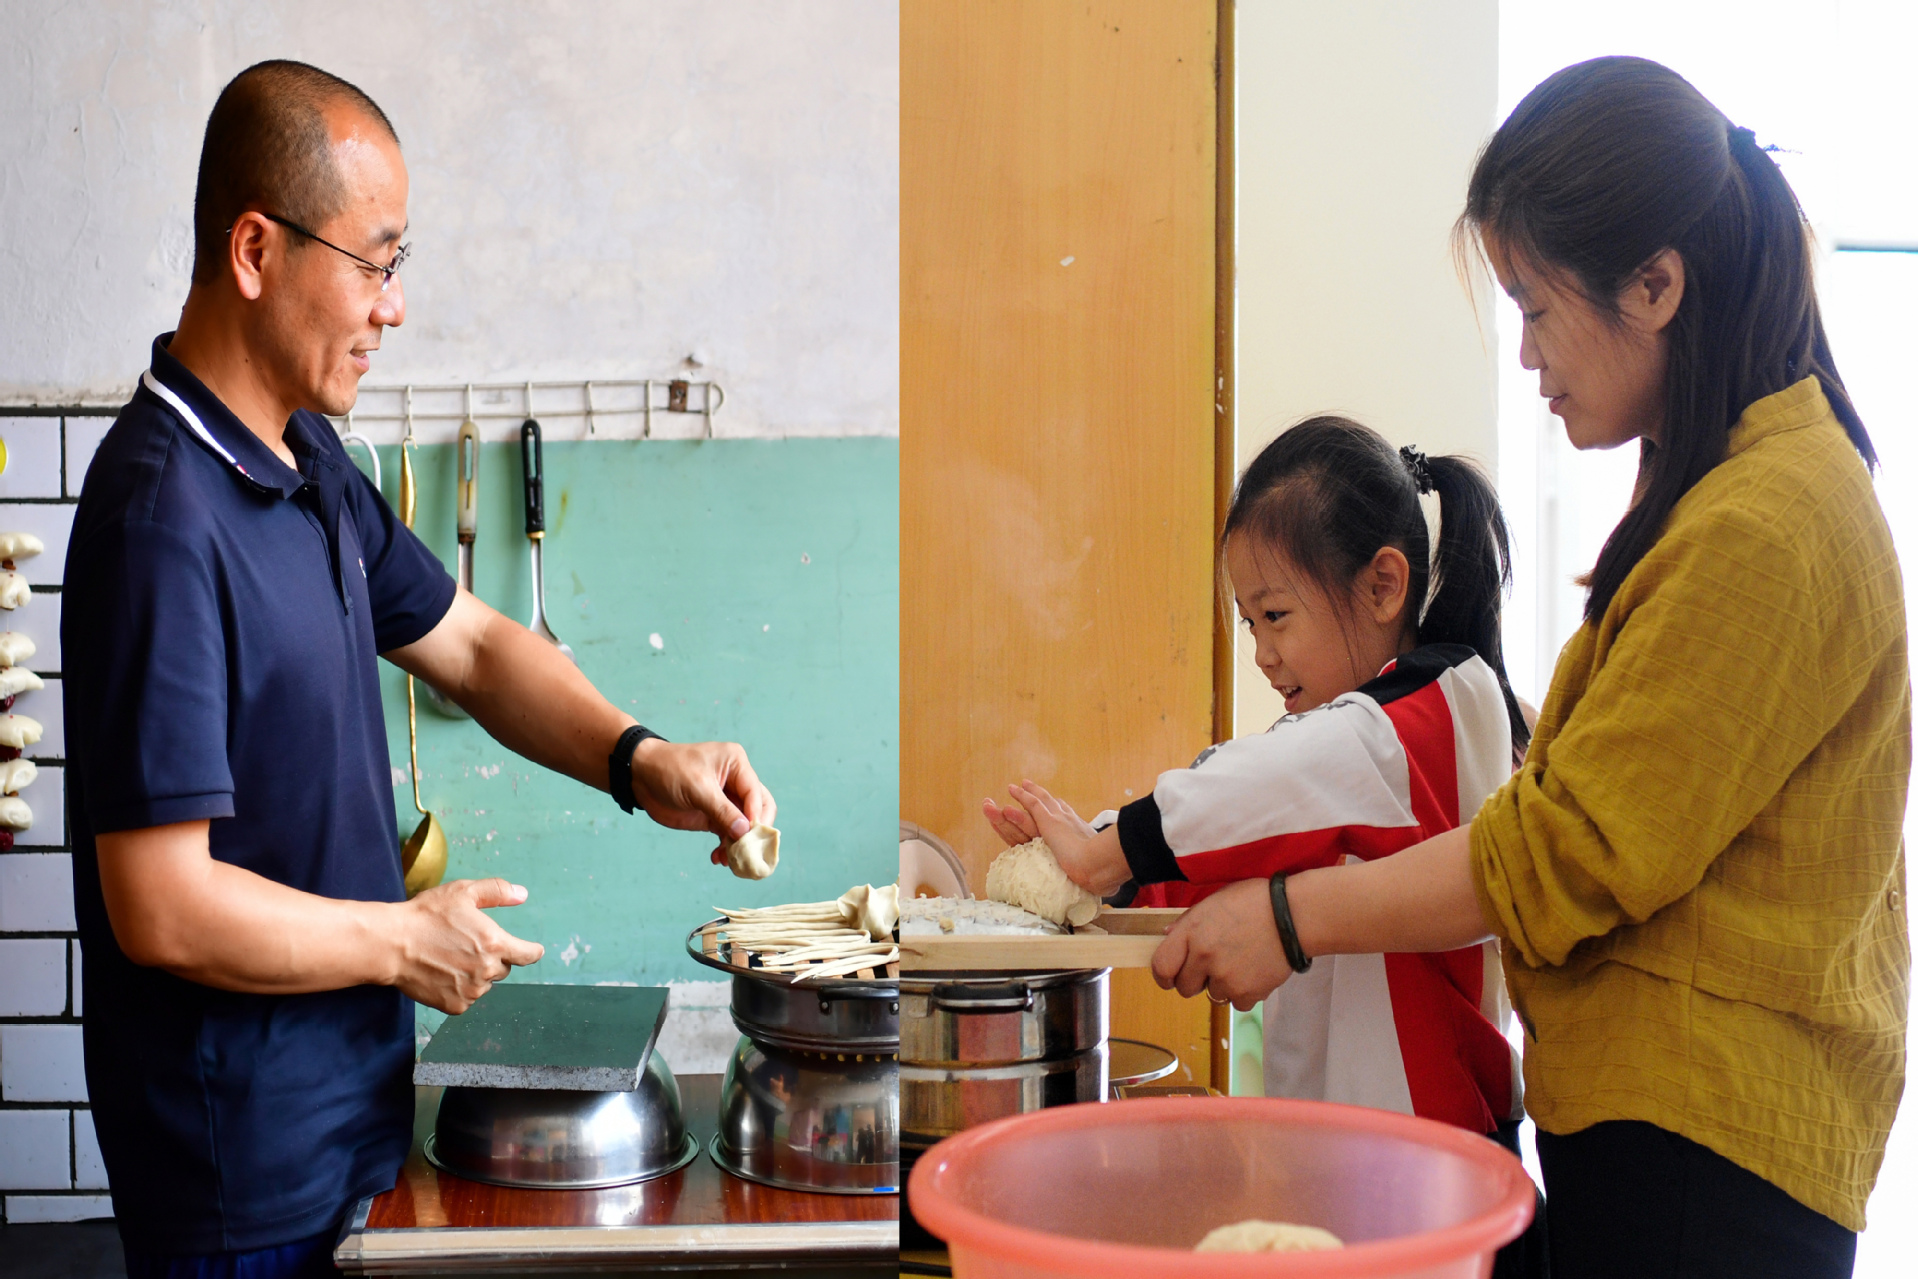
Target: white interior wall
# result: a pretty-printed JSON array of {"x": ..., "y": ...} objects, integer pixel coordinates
[
  {"x": 1357, "y": 126},
  {"x": 598, "y": 190}
]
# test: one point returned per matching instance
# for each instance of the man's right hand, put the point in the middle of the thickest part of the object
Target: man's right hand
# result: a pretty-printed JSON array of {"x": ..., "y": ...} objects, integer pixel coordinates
[{"x": 450, "y": 951}]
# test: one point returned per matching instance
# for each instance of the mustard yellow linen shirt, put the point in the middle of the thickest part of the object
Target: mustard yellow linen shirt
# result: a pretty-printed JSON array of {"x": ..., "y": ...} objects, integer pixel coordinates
[{"x": 1697, "y": 875}]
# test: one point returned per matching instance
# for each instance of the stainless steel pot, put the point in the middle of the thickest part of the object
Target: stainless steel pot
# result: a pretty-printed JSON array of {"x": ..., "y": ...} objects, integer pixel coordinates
[
  {"x": 969, "y": 1019},
  {"x": 975, "y": 1047},
  {"x": 828, "y": 1017},
  {"x": 561, "y": 1139},
  {"x": 810, "y": 1121}
]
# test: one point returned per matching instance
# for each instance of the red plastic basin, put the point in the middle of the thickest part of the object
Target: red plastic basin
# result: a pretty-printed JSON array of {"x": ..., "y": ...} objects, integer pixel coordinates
[{"x": 1127, "y": 1188}]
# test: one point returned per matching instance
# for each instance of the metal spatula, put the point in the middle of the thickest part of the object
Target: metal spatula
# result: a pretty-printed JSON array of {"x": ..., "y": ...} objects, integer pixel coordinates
[{"x": 532, "y": 456}]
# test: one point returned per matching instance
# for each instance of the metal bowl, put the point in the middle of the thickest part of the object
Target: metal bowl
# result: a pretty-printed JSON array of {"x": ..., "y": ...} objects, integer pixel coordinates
[
  {"x": 556, "y": 1139},
  {"x": 810, "y": 1121}
]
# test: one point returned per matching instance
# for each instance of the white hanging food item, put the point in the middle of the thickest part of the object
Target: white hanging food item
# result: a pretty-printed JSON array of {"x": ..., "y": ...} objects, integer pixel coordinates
[
  {"x": 20, "y": 546},
  {"x": 1268, "y": 1236},
  {"x": 874, "y": 911},
  {"x": 15, "y": 648},
  {"x": 19, "y": 731},
  {"x": 15, "y": 680},
  {"x": 14, "y": 814},
  {"x": 1029, "y": 877},
  {"x": 16, "y": 775},
  {"x": 14, "y": 590},
  {"x": 755, "y": 854}
]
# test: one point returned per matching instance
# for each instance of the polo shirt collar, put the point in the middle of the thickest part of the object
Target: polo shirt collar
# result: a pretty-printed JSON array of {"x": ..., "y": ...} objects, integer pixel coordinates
[{"x": 217, "y": 430}]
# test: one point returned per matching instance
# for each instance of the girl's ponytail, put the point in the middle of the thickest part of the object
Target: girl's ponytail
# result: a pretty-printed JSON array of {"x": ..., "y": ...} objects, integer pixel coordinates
[{"x": 1471, "y": 570}]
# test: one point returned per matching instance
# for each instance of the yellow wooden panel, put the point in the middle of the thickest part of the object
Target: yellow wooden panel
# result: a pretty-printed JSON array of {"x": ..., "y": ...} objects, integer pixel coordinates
[
  {"x": 1140, "y": 1010},
  {"x": 1057, "y": 225}
]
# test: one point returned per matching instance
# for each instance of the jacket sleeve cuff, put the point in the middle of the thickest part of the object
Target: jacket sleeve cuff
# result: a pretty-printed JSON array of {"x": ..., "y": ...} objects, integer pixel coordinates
[{"x": 1142, "y": 840}]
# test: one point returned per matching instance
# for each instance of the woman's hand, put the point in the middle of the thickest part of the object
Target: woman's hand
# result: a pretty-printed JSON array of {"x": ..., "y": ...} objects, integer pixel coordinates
[
  {"x": 1227, "y": 946},
  {"x": 1091, "y": 859}
]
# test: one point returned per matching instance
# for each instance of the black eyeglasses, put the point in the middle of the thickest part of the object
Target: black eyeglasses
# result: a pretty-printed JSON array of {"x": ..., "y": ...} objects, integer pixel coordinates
[{"x": 387, "y": 272}]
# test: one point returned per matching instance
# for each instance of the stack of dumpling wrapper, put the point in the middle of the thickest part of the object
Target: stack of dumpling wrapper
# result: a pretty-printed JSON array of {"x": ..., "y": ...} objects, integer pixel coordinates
[{"x": 17, "y": 732}]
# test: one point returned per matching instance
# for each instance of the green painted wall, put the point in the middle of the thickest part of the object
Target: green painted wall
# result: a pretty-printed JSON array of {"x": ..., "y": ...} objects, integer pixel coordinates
[{"x": 770, "y": 571}]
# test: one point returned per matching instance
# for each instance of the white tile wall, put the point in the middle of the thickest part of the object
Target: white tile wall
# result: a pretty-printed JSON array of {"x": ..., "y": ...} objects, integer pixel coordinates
[
  {"x": 78, "y": 985},
  {"x": 41, "y": 1063},
  {"x": 44, "y": 705},
  {"x": 31, "y": 1208},
  {"x": 36, "y": 893},
  {"x": 33, "y": 976},
  {"x": 50, "y": 522},
  {"x": 33, "y": 1150},
  {"x": 47, "y": 797},
  {"x": 33, "y": 457},
  {"x": 89, "y": 1170},
  {"x": 39, "y": 621},
  {"x": 83, "y": 437}
]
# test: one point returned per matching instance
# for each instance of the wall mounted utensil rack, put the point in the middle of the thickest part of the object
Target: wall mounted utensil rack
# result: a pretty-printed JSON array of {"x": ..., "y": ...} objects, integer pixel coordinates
[{"x": 615, "y": 408}]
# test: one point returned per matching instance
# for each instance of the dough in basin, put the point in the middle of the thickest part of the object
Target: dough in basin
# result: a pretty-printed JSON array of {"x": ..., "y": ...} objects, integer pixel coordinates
[
  {"x": 1029, "y": 877},
  {"x": 1268, "y": 1236},
  {"x": 754, "y": 854}
]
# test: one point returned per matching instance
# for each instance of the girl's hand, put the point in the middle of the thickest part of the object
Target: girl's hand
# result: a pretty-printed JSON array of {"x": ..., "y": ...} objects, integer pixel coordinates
[
  {"x": 1227, "y": 946},
  {"x": 1091, "y": 859}
]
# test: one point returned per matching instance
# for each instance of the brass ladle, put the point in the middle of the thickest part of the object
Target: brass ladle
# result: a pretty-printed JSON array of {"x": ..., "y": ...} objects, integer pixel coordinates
[{"x": 423, "y": 855}]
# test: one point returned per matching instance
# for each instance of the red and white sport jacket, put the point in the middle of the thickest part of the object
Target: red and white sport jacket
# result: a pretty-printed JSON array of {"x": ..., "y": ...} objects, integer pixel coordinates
[{"x": 1406, "y": 757}]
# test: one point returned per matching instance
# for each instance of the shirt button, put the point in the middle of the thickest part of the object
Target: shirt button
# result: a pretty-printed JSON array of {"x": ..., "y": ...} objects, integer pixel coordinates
[{"x": 1894, "y": 897}]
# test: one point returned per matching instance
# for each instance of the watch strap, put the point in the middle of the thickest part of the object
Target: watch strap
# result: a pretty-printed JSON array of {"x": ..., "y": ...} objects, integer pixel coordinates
[{"x": 619, "y": 766}]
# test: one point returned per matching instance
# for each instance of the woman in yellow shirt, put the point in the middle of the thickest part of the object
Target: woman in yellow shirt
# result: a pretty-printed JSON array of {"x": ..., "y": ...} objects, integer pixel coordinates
[{"x": 1697, "y": 874}]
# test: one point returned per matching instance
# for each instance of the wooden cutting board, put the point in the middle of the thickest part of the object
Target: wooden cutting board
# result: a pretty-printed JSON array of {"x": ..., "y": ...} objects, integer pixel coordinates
[{"x": 1128, "y": 940}]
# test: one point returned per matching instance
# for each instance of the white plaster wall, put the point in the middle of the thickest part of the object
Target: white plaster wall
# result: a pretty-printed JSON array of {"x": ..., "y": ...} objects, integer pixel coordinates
[
  {"x": 1357, "y": 126},
  {"x": 599, "y": 190}
]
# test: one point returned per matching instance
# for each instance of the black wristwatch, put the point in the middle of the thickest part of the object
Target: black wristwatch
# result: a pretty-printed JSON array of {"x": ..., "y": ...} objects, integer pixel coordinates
[
  {"x": 619, "y": 766},
  {"x": 1288, "y": 932}
]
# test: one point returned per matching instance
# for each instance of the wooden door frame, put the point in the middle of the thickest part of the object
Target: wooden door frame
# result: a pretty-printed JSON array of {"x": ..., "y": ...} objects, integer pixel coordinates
[{"x": 1225, "y": 442}]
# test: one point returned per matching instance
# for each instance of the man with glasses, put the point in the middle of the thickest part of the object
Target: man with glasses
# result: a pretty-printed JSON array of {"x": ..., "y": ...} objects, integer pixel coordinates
[{"x": 250, "y": 956}]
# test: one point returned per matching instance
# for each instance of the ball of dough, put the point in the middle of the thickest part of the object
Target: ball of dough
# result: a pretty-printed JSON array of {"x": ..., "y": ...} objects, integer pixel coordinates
[
  {"x": 754, "y": 854},
  {"x": 1029, "y": 877},
  {"x": 1268, "y": 1236},
  {"x": 15, "y": 648}
]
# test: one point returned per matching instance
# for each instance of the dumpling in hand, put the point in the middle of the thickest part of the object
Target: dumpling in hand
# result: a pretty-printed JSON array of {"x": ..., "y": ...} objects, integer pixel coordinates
[{"x": 754, "y": 854}]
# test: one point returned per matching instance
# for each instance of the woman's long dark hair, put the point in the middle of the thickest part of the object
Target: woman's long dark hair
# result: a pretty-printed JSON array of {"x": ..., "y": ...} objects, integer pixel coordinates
[
  {"x": 1329, "y": 494},
  {"x": 1601, "y": 168}
]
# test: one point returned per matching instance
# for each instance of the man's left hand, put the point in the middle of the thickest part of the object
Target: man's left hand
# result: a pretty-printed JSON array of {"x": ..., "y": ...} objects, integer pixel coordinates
[{"x": 1227, "y": 946}]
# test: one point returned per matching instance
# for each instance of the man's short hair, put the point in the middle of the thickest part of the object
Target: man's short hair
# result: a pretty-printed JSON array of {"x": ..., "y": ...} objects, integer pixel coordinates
[{"x": 267, "y": 147}]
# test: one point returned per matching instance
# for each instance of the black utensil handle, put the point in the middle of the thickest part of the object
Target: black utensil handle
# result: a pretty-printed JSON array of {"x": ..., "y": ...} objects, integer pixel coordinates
[{"x": 532, "y": 460}]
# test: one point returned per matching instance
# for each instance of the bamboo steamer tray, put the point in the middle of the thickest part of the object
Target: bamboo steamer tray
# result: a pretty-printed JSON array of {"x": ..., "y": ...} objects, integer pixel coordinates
[
  {"x": 1127, "y": 940},
  {"x": 710, "y": 946}
]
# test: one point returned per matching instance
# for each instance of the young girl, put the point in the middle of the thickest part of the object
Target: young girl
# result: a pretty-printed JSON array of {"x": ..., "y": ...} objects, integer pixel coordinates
[{"x": 1399, "y": 723}]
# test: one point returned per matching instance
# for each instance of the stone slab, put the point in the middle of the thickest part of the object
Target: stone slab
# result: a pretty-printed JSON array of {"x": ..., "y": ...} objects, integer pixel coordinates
[{"x": 524, "y": 1035}]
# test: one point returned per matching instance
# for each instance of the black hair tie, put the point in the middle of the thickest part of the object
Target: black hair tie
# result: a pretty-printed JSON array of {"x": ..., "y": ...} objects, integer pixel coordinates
[{"x": 1419, "y": 469}]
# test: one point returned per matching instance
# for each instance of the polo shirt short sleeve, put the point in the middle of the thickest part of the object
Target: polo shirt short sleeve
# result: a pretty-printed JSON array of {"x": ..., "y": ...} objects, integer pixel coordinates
[{"x": 223, "y": 615}]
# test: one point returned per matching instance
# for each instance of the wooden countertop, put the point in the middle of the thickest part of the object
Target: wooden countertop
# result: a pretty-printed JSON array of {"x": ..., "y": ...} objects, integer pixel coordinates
[{"x": 434, "y": 1222}]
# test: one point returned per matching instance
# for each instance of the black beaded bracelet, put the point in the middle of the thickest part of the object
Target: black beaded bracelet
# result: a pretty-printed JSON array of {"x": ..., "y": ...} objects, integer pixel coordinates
[
  {"x": 1288, "y": 932},
  {"x": 619, "y": 766}
]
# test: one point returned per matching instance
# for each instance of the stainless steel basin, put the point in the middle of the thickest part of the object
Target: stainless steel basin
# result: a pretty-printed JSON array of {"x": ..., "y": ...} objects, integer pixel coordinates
[
  {"x": 810, "y": 1121},
  {"x": 556, "y": 1139}
]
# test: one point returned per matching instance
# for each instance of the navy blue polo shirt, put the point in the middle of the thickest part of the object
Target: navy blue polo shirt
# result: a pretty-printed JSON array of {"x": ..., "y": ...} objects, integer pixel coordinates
[{"x": 222, "y": 621}]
